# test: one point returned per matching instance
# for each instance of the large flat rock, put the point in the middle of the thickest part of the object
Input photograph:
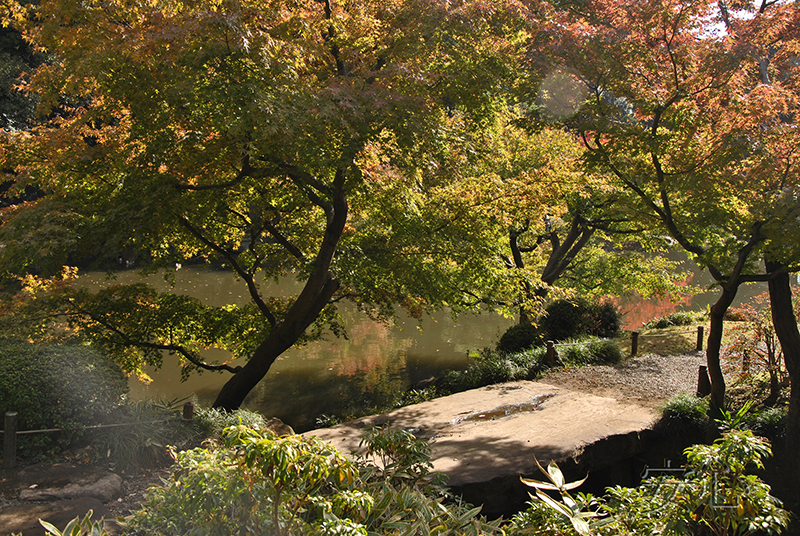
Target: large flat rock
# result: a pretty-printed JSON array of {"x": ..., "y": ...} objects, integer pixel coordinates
[{"x": 495, "y": 432}]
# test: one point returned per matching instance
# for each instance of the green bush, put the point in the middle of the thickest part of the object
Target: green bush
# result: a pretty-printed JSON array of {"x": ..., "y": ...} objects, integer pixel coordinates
[
  {"x": 293, "y": 485},
  {"x": 518, "y": 337},
  {"x": 681, "y": 318},
  {"x": 213, "y": 422},
  {"x": 567, "y": 319},
  {"x": 715, "y": 496},
  {"x": 65, "y": 387},
  {"x": 605, "y": 352},
  {"x": 589, "y": 352},
  {"x": 491, "y": 367},
  {"x": 768, "y": 422},
  {"x": 683, "y": 415}
]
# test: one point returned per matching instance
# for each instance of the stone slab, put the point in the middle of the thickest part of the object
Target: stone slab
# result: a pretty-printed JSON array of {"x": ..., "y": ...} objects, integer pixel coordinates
[
  {"x": 495, "y": 432},
  {"x": 55, "y": 482}
]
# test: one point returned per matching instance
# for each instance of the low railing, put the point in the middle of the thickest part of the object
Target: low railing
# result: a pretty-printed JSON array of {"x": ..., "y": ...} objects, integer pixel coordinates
[
  {"x": 10, "y": 431},
  {"x": 703, "y": 381}
]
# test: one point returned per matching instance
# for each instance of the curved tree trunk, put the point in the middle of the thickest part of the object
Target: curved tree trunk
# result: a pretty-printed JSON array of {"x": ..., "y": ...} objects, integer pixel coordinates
[
  {"x": 316, "y": 294},
  {"x": 281, "y": 338},
  {"x": 713, "y": 350},
  {"x": 785, "y": 323}
]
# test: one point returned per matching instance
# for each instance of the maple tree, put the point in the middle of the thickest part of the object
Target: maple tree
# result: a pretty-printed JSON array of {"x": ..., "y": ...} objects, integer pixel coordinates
[
  {"x": 253, "y": 132},
  {"x": 755, "y": 344},
  {"x": 675, "y": 116},
  {"x": 540, "y": 219}
]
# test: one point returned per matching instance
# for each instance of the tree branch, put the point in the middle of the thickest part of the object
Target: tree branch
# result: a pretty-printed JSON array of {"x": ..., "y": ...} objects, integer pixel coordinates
[
  {"x": 243, "y": 173},
  {"x": 248, "y": 278},
  {"x": 128, "y": 341}
]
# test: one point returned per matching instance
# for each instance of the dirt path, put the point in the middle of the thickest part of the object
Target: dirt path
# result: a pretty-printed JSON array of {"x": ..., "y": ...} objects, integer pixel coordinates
[{"x": 647, "y": 380}]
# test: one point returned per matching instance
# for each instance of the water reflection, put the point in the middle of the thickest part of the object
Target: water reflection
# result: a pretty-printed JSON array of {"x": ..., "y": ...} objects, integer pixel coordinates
[{"x": 374, "y": 363}]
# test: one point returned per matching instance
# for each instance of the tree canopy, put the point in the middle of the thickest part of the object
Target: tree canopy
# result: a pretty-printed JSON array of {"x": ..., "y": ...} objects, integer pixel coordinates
[{"x": 253, "y": 133}]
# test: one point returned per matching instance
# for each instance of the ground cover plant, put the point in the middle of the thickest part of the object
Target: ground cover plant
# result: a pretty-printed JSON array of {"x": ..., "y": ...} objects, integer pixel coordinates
[{"x": 253, "y": 482}]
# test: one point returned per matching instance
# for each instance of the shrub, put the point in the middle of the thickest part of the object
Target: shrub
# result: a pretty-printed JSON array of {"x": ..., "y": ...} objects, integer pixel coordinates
[
  {"x": 769, "y": 422},
  {"x": 605, "y": 352},
  {"x": 260, "y": 484},
  {"x": 715, "y": 496},
  {"x": 683, "y": 415},
  {"x": 213, "y": 422},
  {"x": 681, "y": 318},
  {"x": 756, "y": 346},
  {"x": 589, "y": 352},
  {"x": 78, "y": 527},
  {"x": 718, "y": 495},
  {"x": 607, "y": 320},
  {"x": 491, "y": 367},
  {"x": 566, "y": 319},
  {"x": 67, "y": 387},
  {"x": 518, "y": 337}
]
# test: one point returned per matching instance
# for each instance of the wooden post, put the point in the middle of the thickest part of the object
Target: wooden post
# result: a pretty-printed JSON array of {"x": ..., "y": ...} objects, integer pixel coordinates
[
  {"x": 703, "y": 382},
  {"x": 699, "y": 338},
  {"x": 188, "y": 411},
  {"x": 551, "y": 355},
  {"x": 634, "y": 343},
  {"x": 10, "y": 440}
]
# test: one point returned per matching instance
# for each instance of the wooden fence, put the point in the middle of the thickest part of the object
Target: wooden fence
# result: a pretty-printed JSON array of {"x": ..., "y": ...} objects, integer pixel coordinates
[{"x": 10, "y": 432}]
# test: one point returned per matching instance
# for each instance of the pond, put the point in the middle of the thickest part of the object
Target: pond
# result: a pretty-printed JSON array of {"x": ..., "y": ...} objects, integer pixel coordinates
[
  {"x": 375, "y": 362},
  {"x": 324, "y": 377}
]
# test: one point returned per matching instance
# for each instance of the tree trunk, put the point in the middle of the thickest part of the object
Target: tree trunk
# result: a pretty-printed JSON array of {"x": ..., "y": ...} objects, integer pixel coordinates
[
  {"x": 785, "y": 323},
  {"x": 316, "y": 294},
  {"x": 527, "y": 292},
  {"x": 713, "y": 348},
  {"x": 281, "y": 338}
]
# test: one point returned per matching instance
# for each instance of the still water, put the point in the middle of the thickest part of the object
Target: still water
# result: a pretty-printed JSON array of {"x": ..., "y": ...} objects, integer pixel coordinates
[{"x": 328, "y": 376}]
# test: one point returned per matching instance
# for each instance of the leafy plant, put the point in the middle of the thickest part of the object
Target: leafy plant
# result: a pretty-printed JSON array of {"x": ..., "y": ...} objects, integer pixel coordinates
[
  {"x": 715, "y": 496},
  {"x": 566, "y": 319},
  {"x": 718, "y": 495},
  {"x": 680, "y": 318},
  {"x": 213, "y": 422},
  {"x": 755, "y": 345},
  {"x": 401, "y": 455},
  {"x": 78, "y": 527},
  {"x": 683, "y": 415},
  {"x": 256, "y": 483},
  {"x": 571, "y": 509},
  {"x": 768, "y": 422},
  {"x": 490, "y": 367},
  {"x": 518, "y": 337},
  {"x": 731, "y": 420},
  {"x": 589, "y": 352}
]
